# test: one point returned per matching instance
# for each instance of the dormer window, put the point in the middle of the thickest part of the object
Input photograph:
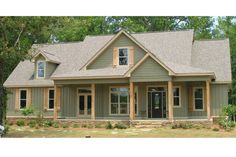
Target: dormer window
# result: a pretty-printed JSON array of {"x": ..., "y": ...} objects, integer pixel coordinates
[
  {"x": 123, "y": 56},
  {"x": 40, "y": 69}
]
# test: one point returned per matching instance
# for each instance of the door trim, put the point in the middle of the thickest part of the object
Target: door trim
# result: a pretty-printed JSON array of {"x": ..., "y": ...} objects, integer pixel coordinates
[
  {"x": 164, "y": 86},
  {"x": 85, "y": 101}
]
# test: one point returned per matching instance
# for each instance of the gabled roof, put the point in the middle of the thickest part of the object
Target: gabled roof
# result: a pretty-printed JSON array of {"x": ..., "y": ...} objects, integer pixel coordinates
[
  {"x": 48, "y": 56},
  {"x": 175, "y": 51}
]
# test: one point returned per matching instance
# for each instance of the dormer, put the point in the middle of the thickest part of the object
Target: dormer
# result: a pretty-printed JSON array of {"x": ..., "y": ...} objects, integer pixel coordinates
[{"x": 45, "y": 64}]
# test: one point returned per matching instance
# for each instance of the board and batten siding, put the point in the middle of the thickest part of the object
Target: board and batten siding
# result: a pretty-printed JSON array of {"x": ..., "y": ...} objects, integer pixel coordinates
[
  {"x": 219, "y": 97},
  {"x": 68, "y": 102},
  {"x": 106, "y": 58},
  {"x": 182, "y": 111},
  {"x": 149, "y": 71}
]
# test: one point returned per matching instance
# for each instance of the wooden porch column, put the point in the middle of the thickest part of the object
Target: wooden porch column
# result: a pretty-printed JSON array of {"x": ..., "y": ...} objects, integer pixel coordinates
[
  {"x": 57, "y": 101},
  {"x": 93, "y": 102},
  {"x": 208, "y": 100},
  {"x": 170, "y": 100},
  {"x": 132, "y": 103}
]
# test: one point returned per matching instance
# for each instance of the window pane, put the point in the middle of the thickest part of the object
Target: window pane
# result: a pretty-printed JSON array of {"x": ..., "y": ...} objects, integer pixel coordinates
[
  {"x": 22, "y": 103},
  {"x": 84, "y": 91},
  {"x": 176, "y": 101},
  {"x": 81, "y": 104},
  {"x": 114, "y": 108},
  {"x": 123, "y": 52},
  {"x": 176, "y": 91},
  {"x": 40, "y": 65},
  {"x": 23, "y": 94},
  {"x": 51, "y": 94},
  {"x": 114, "y": 89},
  {"x": 114, "y": 97},
  {"x": 124, "y": 89},
  {"x": 198, "y": 93},
  {"x": 123, "y": 60},
  {"x": 89, "y": 104},
  {"x": 51, "y": 104},
  {"x": 40, "y": 72},
  {"x": 198, "y": 104},
  {"x": 123, "y": 97},
  {"x": 123, "y": 109}
]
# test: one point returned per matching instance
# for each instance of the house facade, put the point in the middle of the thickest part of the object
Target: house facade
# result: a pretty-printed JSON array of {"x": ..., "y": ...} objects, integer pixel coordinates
[{"x": 157, "y": 75}]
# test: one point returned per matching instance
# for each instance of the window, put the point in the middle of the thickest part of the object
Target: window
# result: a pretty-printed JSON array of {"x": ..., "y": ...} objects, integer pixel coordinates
[
  {"x": 198, "y": 98},
  {"x": 123, "y": 56},
  {"x": 119, "y": 100},
  {"x": 176, "y": 96},
  {"x": 40, "y": 69},
  {"x": 23, "y": 98},
  {"x": 51, "y": 99}
]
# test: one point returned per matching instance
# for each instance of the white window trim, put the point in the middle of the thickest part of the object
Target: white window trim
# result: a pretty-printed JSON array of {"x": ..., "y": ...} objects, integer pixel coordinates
[
  {"x": 176, "y": 96},
  {"x": 203, "y": 103},
  {"x": 135, "y": 90},
  {"x": 23, "y": 89},
  {"x": 119, "y": 56},
  {"x": 49, "y": 98},
  {"x": 37, "y": 69}
]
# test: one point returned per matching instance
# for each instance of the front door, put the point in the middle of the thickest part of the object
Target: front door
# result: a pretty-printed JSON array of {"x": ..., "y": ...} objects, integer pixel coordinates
[
  {"x": 156, "y": 102},
  {"x": 84, "y": 105}
]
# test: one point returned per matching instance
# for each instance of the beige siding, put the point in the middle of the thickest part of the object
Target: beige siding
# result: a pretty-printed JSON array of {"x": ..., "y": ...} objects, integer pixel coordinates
[
  {"x": 149, "y": 71},
  {"x": 105, "y": 59}
]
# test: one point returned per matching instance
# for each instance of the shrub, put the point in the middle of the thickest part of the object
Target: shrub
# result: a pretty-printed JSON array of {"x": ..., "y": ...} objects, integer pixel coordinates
[
  {"x": 20, "y": 123},
  {"x": 32, "y": 123},
  {"x": 65, "y": 125},
  {"x": 174, "y": 126},
  {"x": 109, "y": 125},
  {"x": 6, "y": 129},
  {"x": 47, "y": 123},
  {"x": 76, "y": 125},
  {"x": 215, "y": 129},
  {"x": 186, "y": 125},
  {"x": 230, "y": 111},
  {"x": 56, "y": 125},
  {"x": 11, "y": 123},
  {"x": 226, "y": 124},
  {"x": 120, "y": 126},
  {"x": 84, "y": 125},
  {"x": 98, "y": 126},
  {"x": 27, "y": 111},
  {"x": 90, "y": 126}
]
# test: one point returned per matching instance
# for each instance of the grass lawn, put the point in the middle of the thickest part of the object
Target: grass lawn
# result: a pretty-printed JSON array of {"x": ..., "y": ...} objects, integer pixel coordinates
[{"x": 16, "y": 131}]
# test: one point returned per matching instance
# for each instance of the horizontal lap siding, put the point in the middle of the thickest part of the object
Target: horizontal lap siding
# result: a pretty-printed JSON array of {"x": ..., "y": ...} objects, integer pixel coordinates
[
  {"x": 105, "y": 59},
  {"x": 149, "y": 71},
  {"x": 50, "y": 68},
  {"x": 219, "y": 97}
]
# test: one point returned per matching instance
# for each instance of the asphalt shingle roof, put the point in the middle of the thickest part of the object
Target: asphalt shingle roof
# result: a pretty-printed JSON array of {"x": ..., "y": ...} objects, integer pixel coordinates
[{"x": 175, "y": 49}]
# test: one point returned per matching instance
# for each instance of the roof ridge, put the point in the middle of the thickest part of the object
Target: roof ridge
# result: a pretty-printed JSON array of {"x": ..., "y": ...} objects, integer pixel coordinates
[
  {"x": 185, "y": 30},
  {"x": 58, "y": 43},
  {"x": 214, "y": 39}
]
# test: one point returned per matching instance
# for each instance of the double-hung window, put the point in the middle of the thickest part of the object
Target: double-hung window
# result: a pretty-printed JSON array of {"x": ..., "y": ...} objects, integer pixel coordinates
[
  {"x": 198, "y": 98},
  {"x": 51, "y": 99},
  {"x": 123, "y": 56},
  {"x": 40, "y": 69},
  {"x": 176, "y": 96},
  {"x": 23, "y": 98}
]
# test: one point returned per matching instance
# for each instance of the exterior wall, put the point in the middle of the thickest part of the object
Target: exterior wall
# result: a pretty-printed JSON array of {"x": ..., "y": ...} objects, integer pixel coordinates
[
  {"x": 149, "y": 71},
  {"x": 68, "y": 102},
  {"x": 105, "y": 59},
  {"x": 219, "y": 97},
  {"x": 50, "y": 68},
  {"x": 182, "y": 111},
  {"x": 37, "y": 102}
]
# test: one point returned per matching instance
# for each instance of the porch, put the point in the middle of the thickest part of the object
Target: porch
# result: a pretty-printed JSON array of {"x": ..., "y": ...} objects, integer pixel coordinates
[{"x": 120, "y": 99}]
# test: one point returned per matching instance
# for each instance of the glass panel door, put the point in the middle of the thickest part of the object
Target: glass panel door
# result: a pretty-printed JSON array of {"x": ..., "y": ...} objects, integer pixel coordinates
[
  {"x": 81, "y": 105},
  {"x": 88, "y": 104}
]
